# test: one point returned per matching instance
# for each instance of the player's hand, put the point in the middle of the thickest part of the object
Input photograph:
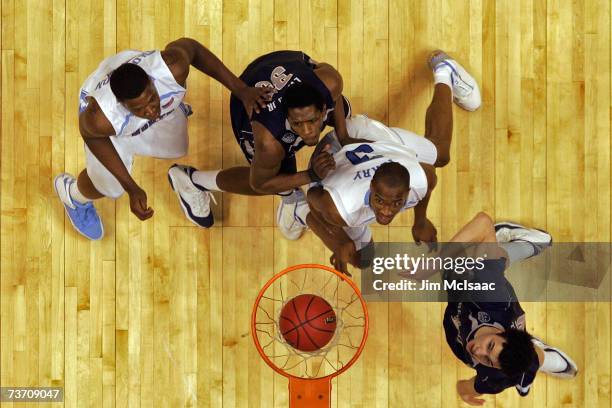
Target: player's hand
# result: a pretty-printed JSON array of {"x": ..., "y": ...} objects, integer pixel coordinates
[
  {"x": 424, "y": 231},
  {"x": 138, "y": 203},
  {"x": 323, "y": 162},
  {"x": 339, "y": 264},
  {"x": 254, "y": 98},
  {"x": 348, "y": 253},
  {"x": 344, "y": 255},
  {"x": 472, "y": 400},
  {"x": 469, "y": 397}
]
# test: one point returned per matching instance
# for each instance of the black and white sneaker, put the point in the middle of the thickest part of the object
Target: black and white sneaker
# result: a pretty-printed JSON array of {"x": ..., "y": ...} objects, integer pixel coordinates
[
  {"x": 512, "y": 232},
  {"x": 194, "y": 199},
  {"x": 570, "y": 371}
]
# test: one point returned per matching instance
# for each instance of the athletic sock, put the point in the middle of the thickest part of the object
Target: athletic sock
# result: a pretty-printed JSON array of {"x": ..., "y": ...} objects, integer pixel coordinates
[
  {"x": 442, "y": 75},
  {"x": 553, "y": 362},
  {"x": 206, "y": 179},
  {"x": 76, "y": 195},
  {"x": 518, "y": 250}
]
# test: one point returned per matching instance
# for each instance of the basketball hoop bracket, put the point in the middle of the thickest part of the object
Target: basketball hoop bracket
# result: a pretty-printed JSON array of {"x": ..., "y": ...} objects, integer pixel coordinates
[{"x": 306, "y": 393}]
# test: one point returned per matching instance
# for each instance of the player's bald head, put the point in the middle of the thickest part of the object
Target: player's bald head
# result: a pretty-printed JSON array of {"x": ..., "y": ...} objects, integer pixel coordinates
[
  {"x": 392, "y": 175},
  {"x": 388, "y": 191}
]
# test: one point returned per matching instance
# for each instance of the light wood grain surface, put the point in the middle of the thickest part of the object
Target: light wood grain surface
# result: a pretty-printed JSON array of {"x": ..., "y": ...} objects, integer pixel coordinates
[{"x": 157, "y": 313}]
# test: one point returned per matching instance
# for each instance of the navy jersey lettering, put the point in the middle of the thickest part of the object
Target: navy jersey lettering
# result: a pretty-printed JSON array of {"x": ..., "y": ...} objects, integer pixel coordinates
[{"x": 279, "y": 70}]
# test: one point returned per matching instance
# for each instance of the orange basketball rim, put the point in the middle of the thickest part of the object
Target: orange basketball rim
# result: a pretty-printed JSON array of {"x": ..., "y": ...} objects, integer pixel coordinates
[{"x": 310, "y": 373}]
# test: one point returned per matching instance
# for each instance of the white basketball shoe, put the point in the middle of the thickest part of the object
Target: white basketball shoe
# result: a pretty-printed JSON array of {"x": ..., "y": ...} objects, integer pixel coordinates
[
  {"x": 511, "y": 232},
  {"x": 466, "y": 93},
  {"x": 194, "y": 199},
  {"x": 571, "y": 369},
  {"x": 288, "y": 218}
]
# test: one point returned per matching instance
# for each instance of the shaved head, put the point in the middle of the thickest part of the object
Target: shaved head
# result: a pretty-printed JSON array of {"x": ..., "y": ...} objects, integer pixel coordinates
[
  {"x": 388, "y": 191},
  {"x": 392, "y": 175}
]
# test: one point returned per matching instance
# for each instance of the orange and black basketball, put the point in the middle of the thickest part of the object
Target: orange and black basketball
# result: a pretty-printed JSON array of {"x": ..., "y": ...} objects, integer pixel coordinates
[{"x": 307, "y": 322}]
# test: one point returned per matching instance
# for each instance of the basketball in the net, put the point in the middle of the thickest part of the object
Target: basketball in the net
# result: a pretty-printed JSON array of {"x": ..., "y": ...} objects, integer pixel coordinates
[{"x": 307, "y": 322}]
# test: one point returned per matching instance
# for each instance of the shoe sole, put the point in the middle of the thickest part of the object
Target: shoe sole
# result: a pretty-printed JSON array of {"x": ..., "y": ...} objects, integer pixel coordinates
[
  {"x": 180, "y": 200},
  {"x": 511, "y": 225},
  {"x": 506, "y": 224},
  {"x": 68, "y": 214}
]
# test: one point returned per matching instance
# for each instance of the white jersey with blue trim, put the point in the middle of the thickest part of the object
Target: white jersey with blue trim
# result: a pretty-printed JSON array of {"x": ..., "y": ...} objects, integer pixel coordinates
[
  {"x": 97, "y": 86},
  {"x": 349, "y": 183}
]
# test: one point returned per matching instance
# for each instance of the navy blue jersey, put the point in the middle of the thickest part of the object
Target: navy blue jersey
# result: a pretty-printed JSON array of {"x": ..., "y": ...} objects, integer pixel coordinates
[
  {"x": 501, "y": 310},
  {"x": 280, "y": 70}
]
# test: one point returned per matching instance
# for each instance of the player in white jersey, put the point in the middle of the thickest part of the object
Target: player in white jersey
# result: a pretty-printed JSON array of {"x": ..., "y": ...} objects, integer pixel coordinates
[
  {"x": 372, "y": 182},
  {"x": 375, "y": 181},
  {"x": 132, "y": 105}
]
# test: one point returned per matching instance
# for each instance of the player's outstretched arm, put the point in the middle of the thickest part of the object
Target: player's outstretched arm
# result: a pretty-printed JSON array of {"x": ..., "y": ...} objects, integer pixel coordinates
[
  {"x": 95, "y": 130},
  {"x": 423, "y": 230},
  {"x": 265, "y": 167},
  {"x": 325, "y": 221},
  {"x": 184, "y": 52},
  {"x": 466, "y": 391}
]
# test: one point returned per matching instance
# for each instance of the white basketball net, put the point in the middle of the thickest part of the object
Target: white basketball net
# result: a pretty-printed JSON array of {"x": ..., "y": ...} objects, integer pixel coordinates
[{"x": 350, "y": 323}]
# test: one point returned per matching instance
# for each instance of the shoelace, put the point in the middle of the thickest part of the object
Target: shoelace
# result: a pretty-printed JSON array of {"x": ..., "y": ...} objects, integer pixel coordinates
[
  {"x": 203, "y": 199},
  {"x": 503, "y": 235},
  {"x": 296, "y": 222},
  {"x": 463, "y": 88},
  {"x": 86, "y": 214}
]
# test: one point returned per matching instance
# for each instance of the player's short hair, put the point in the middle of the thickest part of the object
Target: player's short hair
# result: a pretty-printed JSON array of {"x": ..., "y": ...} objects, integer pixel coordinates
[
  {"x": 128, "y": 81},
  {"x": 518, "y": 353},
  {"x": 301, "y": 95},
  {"x": 392, "y": 174}
]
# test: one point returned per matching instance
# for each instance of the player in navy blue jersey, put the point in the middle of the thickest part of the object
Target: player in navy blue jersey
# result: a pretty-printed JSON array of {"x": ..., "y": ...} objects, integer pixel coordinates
[
  {"x": 306, "y": 97},
  {"x": 485, "y": 329}
]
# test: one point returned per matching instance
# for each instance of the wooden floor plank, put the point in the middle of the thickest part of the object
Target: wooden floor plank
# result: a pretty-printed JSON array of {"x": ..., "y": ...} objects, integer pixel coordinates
[{"x": 157, "y": 314}]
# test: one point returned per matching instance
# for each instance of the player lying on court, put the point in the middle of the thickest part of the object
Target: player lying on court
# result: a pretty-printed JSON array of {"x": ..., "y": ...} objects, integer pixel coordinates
[
  {"x": 132, "y": 105},
  {"x": 307, "y": 97},
  {"x": 486, "y": 329},
  {"x": 392, "y": 171}
]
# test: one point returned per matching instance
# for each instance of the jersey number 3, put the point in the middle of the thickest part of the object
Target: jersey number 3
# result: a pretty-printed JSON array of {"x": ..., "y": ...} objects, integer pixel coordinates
[{"x": 359, "y": 154}]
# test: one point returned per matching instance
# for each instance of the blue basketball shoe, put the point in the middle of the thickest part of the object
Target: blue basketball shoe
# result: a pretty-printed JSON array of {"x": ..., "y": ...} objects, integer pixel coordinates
[{"x": 83, "y": 217}]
